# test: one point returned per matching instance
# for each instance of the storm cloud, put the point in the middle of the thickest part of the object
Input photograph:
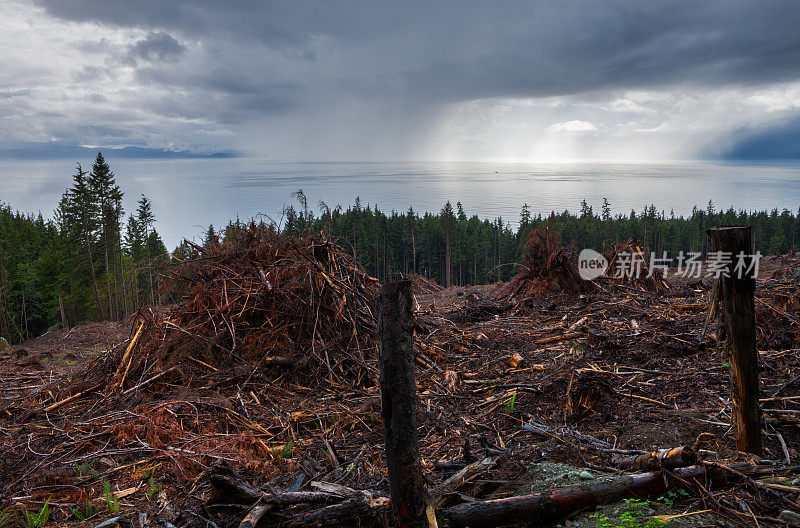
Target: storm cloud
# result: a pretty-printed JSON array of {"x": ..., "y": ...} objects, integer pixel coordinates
[
  {"x": 155, "y": 47},
  {"x": 401, "y": 80}
]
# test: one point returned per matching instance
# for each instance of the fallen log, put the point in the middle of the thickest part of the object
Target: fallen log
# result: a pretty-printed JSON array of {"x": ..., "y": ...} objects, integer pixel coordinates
[
  {"x": 439, "y": 493},
  {"x": 337, "y": 504},
  {"x": 352, "y": 512},
  {"x": 678, "y": 457},
  {"x": 544, "y": 507}
]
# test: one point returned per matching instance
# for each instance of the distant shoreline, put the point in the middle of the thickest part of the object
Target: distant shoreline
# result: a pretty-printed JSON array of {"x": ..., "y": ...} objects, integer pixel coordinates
[{"x": 38, "y": 153}]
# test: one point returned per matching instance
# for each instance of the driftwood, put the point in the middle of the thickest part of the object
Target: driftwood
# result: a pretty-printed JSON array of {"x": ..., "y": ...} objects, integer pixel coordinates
[
  {"x": 677, "y": 457},
  {"x": 550, "y": 506}
]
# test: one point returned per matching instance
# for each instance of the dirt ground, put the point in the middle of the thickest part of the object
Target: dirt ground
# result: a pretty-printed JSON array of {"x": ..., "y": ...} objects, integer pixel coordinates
[{"x": 628, "y": 367}]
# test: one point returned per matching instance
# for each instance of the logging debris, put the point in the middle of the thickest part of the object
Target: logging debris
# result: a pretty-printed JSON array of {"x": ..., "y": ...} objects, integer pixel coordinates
[
  {"x": 547, "y": 267},
  {"x": 307, "y": 439},
  {"x": 262, "y": 301},
  {"x": 421, "y": 285}
]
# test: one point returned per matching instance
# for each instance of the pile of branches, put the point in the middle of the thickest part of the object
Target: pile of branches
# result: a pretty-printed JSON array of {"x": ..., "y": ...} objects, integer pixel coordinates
[
  {"x": 778, "y": 311},
  {"x": 630, "y": 262},
  {"x": 262, "y": 300},
  {"x": 421, "y": 285},
  {"x": 548, "y": 266}
]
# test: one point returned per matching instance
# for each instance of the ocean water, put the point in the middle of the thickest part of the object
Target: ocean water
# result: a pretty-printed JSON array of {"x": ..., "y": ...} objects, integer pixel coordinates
[{"x": 189, "y": 194}]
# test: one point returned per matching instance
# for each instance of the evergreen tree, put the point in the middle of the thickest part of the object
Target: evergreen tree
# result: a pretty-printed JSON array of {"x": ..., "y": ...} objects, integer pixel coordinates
[
  {"x": 606, "y": 210},
  {"x": 83, "y": 208},
  {"x": 103, "y": 186},
  {"x": 146, "y": 219},
  {"x": 210, "y": 236},
  {"x": 447, "y": 219}
]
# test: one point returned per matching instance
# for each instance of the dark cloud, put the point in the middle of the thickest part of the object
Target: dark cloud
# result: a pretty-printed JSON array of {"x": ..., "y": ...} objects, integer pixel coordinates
[
  {"x": 358, "y": 69},
  {"x": 156, "y": 47},
  {"x": 221, "y": 94},
  {"x": 778, "y": 142},
  {"x": 95, "y": 46},
  {"x": 453, "y": 50}
]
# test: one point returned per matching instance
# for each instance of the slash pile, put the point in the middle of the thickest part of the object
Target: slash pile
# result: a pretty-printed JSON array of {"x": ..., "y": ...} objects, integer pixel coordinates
[
  {"x": 264, "y": 300},
  {"x": 548, "y": 267},
  {"x": 629, "y": 261}
]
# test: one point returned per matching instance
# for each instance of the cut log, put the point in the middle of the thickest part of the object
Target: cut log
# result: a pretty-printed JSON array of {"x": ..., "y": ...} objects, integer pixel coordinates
[
  {"x": 352, "y": 512},
  {"x": 550, "y": 506},
  {"x": 678, "y": 457},
  {"x": 279, "y": 361}
]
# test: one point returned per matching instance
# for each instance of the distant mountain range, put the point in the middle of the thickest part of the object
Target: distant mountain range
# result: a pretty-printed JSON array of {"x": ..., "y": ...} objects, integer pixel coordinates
[{"x": 43, "y": 152}]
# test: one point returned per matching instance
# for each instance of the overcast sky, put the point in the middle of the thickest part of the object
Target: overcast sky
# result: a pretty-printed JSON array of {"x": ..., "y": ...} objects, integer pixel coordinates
[{"x": 427, "y": 80}]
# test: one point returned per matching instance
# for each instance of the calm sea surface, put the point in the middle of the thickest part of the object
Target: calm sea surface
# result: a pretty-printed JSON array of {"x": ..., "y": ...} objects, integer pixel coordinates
[{"x": 187, "y": 195}]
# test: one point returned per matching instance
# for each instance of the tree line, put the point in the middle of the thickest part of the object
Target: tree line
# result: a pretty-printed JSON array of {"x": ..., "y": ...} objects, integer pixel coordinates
[
  {"x": 453, "y": 248},
  {"x": 84, "y": 264},
  {"x": 91, "y": 262}
]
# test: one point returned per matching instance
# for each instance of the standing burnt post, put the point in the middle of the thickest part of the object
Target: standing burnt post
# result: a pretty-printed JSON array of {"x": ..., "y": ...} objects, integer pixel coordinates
[
  {"x": 732, "y": 248},
  {"x": 399, "y": 404}
]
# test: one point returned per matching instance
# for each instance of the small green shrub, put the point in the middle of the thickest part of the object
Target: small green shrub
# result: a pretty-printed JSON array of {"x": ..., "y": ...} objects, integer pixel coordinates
[
  {"x": 155, "y": 488},
  {"x": 83, "y": 513},
  {"x": 85, "y": 470},
  {"x": 112, "y": 502},
  {"x": 6, "y": 518},
  {"x": 673, "y": 495},
  {"x": 35, "y": 519},
  {"x": 632, "y": 518},
  {"x": 508, "y": 406}
]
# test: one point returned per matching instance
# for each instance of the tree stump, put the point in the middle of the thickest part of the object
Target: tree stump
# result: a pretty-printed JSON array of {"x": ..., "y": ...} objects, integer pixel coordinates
[
  {"x": 737, "y": 302},
  {"x": 399, "y": 404}
]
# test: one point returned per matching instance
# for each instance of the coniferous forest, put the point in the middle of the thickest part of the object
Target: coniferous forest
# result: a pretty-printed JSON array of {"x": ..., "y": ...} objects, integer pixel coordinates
[
  {"x": 86, "y": 263},
  {"x": 94, "y": 261}
]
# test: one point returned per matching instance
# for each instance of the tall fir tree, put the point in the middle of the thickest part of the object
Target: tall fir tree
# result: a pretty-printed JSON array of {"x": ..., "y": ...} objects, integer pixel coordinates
[
  {"x": 146, "y": 219},
  {"x": 84, "y": 209},
  {"x": 103, "y": 186}
]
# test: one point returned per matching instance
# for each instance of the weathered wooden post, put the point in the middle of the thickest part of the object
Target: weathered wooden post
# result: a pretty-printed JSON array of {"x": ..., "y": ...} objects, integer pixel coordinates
[
  {"x": 737, "y": 301},
  {"x": 399, "y": 404}
]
